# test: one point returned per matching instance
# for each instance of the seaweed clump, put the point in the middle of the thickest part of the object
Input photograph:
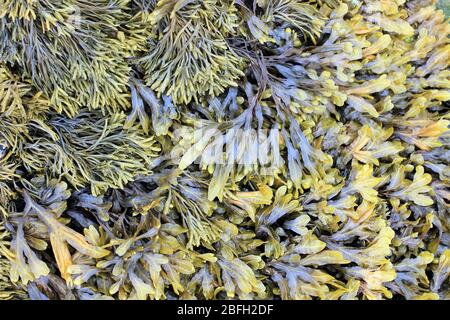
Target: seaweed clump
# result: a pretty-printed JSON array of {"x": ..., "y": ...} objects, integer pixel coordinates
[{"x": 270, "y": 149}]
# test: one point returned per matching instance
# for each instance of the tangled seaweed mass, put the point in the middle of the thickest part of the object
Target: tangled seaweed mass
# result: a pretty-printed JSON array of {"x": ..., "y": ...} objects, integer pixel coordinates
[{"x": 206, "y": 149}]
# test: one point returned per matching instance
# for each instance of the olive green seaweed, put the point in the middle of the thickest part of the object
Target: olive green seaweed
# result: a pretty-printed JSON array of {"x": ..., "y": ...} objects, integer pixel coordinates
[{"x": 206, "y": 149}]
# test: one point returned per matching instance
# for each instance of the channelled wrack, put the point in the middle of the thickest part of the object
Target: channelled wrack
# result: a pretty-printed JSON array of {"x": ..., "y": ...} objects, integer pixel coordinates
[{"x": 261, "y": 149}]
